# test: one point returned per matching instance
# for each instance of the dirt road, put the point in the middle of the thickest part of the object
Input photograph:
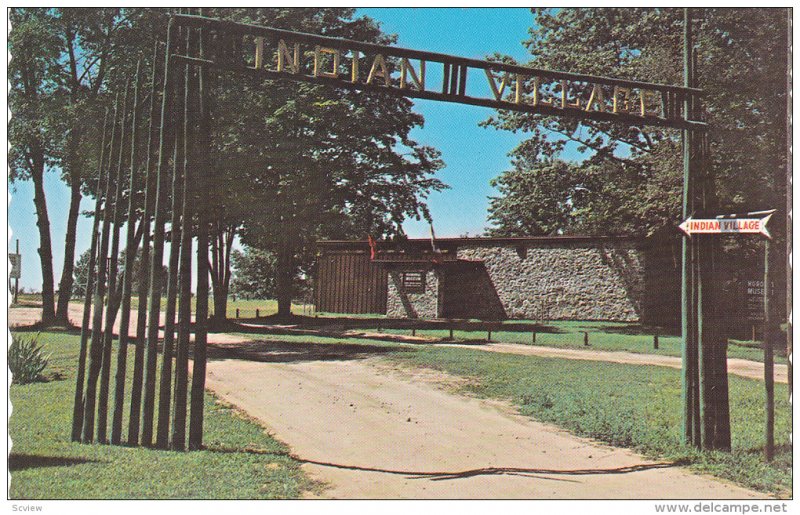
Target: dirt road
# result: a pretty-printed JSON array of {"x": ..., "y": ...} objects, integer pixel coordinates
[
  {"x": 736, "y": 366},
  {"x": 371, "y": 431}
]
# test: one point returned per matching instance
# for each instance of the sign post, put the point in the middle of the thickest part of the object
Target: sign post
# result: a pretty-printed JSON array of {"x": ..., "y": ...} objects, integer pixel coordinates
[
  {"x": 754, "y": 293},
  {"x": 16, "y": 270},
  {"x": 769, "y": 379},
  {"x": 757, "y": 293}
]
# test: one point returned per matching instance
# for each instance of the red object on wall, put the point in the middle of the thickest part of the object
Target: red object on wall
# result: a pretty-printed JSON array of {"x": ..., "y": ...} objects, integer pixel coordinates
[{"x": 372, "y": 247}]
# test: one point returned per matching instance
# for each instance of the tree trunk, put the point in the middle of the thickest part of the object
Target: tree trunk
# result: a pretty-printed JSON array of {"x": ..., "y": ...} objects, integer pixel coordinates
[
  {"x": 220, "y": 303},
  {"x": 221, "y": 244},
  {"x": 45, "y": 242},
  {"x": 65, "y": 285},
  {"x": 283, "y": 284}
]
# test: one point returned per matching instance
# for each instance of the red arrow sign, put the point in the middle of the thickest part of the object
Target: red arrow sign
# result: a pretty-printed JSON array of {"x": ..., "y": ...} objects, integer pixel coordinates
[{"x": 726, "y": 225}]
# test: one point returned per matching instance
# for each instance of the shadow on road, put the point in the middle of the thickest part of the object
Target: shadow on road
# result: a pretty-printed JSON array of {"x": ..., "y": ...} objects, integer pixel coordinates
[
  {"x": 294, "y": 352},
  {"x": 38, "y": 327},
  {"x": 17, "y": 461}
]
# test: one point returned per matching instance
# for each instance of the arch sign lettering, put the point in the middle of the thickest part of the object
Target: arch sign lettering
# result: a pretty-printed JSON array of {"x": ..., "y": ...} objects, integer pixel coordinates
[{"x": 277, "y": 53}]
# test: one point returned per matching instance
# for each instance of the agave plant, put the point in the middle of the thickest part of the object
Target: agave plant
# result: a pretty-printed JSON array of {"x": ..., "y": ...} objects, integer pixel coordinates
[{"x": 26, "y": 359}]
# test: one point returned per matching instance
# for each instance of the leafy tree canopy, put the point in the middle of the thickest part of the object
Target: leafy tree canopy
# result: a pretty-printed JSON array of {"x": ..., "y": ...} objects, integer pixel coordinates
[
  {"x": 300, "y": 162},
  {"x": 631, "y": 178},
  {"x": 253, "y": 273},
  {"x": 81, "y": 272}
]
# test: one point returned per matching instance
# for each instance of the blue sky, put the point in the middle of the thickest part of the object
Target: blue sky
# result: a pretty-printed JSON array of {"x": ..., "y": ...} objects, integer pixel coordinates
[{"x": 473, "y": 155}]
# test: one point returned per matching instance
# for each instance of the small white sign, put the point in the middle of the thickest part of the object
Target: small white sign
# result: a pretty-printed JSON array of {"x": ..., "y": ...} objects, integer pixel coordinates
[
  {"x": 726, "y": 225},
  {"x": 16, "y": 265}
]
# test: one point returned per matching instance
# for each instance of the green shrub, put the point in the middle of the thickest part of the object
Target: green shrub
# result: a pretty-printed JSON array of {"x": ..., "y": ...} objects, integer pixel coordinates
[{"x": 26, "y": 359}]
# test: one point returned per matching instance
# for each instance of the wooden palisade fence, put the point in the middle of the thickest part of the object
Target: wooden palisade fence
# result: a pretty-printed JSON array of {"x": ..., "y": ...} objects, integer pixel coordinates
[{"x": 139, "y": 191}]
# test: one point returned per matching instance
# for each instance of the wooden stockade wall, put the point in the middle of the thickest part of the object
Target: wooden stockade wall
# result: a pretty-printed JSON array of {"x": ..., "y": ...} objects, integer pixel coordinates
[
  {"x": 348, "y": 282},
  {"x": 133, "y": 190}
]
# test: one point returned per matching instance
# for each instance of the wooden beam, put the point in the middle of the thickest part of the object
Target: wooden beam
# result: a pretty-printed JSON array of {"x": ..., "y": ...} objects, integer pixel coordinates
[
  {"x": 445, "y": 97},
  {"x": 372, "y": 48}
]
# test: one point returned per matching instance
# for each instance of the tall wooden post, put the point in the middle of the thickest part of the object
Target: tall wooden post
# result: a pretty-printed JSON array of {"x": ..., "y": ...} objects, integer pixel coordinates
[
  {"x": 144, "y": 265},
  {"x": 769, "y": 379},
  {"x": 185, "y": 262},
  {"x": 201, "y": 311},
  {"x": 165, "y": 388},
  {"x": 789, "y": 204},
  {"x": 703, "y": 261},
  {"x": 111, "y": 302},
  {"x": 689, "y": 379},
  {"x": 96, "y": 346},
  {"x": 127, "y": 280},
  {"x": 154, "y": 312},
  {"x": 77, "y": 409},
  {"x": 717, "y": 433}
]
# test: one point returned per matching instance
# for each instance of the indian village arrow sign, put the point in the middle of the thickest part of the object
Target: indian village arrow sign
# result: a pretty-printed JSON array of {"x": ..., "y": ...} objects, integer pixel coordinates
[{"x": 728, "y": 224}]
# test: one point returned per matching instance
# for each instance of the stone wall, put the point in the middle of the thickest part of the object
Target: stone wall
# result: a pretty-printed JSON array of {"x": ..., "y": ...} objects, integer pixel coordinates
[
  {"x": 401, "y": 304},
  {"x": 565, "y": 281}
]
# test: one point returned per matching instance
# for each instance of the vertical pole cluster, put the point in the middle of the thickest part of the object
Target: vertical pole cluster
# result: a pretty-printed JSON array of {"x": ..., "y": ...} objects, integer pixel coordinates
[
  {"x": 144, "y": 263},
  {"x": 706, "y": 419},
  {"x": 96, "y": 346},
  {"x": 77, "y": 411},
  {"x": 127, "y": 281},
  {"x": 145, "y": 195}
]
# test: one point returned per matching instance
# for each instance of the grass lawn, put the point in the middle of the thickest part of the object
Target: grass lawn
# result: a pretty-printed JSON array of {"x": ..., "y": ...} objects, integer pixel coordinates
[
  {"x": 623, "y": 405},
  {"x": 607, "y": 336},
  {"x": 266, "y": 307},
  {"x": 240, "y": 462}
]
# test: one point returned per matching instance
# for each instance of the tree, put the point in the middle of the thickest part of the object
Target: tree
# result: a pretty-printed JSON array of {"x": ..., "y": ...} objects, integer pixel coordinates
[
  {"x": 222, "y": 234},
  {"x": 253, "y": 273},
  {"x": 531, "y": 201},
  {"x": 81, "y": 272},
  {"x": 97, "y": 44},
  {"x": 611, "y": 197},
  {"x": 742, "y": 68},
  {"x": 78, "y": 50},
  {"x": 33, "y": 98},
  {"x": 308, "y": 161},
  {"x": 86, "y": 37},
  {"x": 631, "y": 178}
]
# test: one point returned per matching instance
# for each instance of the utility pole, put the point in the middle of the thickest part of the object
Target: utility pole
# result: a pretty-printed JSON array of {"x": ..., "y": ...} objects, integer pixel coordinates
[
  {"x": 704, "y": 374},
  {"x": 16, "y": 279},
  {"x": 769, "y": 379},
  {"x": 689, "y": 372}
]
